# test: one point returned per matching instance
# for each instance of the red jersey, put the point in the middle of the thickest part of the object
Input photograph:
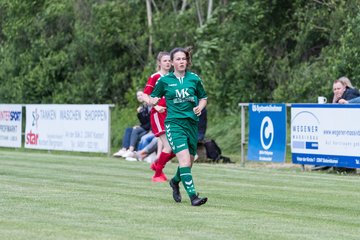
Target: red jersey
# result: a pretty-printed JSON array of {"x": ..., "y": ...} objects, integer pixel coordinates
[
  {"x": 150, "y": 85},
  {"x": 156, "y": 119}
]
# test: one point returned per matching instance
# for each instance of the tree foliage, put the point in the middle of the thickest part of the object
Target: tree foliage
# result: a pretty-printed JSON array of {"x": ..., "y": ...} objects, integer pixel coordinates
[{"x": 97, "y": 51}]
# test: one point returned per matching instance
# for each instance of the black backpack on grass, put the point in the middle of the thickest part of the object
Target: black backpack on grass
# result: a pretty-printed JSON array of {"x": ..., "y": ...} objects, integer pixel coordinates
[{"x": 213, "y": 151}]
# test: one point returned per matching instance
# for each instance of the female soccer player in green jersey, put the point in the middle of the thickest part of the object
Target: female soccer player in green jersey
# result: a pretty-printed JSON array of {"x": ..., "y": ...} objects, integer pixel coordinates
[{"x": 185, "y": 98}]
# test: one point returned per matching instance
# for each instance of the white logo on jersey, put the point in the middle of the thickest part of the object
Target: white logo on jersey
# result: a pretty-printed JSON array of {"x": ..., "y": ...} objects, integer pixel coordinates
[{"x": 183, "y": 93}]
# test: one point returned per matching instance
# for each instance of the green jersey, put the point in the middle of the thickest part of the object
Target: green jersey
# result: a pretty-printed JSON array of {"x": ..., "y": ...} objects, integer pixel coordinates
[{"x": 181, "y": 94}]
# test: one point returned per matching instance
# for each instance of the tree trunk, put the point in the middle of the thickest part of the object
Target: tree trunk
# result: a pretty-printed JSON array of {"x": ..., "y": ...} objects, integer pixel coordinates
[
  {"x": 183, "y": 6},
  {"x": 149, "y": 18},
  {"x": 198, "y": 10},
  {"x": 210, "y": 7}
]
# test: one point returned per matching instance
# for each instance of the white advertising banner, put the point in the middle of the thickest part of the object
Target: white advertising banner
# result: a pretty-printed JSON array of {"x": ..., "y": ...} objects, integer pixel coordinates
[
  {"x": 326, "y": 134},
  {"x": 83, "y": 128},
  {"x": 10, "y": 125}
]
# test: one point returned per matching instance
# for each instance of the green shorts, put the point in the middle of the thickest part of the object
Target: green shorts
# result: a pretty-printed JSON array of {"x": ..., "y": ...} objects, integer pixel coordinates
[{"x": 182, "y": 134}]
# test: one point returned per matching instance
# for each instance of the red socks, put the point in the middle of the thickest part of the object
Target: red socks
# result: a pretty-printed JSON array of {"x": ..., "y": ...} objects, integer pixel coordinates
[{"x": 161, "y": 162}]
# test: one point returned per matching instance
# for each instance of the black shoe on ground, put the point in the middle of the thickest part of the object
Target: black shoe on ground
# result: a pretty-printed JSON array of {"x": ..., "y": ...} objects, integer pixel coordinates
[
  {"x": 197, "y": 201},
  {"x": 176, "y": 191},
  {"x": 317, "y": 168}
]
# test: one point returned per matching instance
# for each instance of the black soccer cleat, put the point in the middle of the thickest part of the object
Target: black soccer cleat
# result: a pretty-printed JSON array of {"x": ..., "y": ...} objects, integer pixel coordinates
[
  {"x": 197, "y": 201},
  {"x": 176, "y": 191}
]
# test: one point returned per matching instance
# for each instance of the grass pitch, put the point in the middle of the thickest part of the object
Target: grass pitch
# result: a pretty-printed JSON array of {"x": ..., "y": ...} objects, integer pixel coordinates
[{"x": 50, "y": 196}]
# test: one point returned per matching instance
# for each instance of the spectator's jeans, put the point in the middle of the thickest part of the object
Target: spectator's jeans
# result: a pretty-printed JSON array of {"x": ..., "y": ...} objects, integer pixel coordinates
[
  {"x": 145, "y": 140},
  {"x": 126, "y": 138},
  {"x": 354, "y": 100},
  {"x": 136, "y": 134},
  {"x": 152, "y": 146}
]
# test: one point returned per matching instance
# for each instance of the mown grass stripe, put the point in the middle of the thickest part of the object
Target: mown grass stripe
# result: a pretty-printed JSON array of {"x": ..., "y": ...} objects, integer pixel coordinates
[{"x": 52, "y": 196}]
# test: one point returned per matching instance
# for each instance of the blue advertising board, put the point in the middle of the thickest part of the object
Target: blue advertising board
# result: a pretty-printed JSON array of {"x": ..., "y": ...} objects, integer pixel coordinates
[
  {"x": 326, "y": 134},
  {"x": 267, "y": 132}
]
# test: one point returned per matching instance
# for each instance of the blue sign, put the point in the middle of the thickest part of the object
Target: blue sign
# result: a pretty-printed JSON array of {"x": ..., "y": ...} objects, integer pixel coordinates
[{"x": 267, "y": 132}]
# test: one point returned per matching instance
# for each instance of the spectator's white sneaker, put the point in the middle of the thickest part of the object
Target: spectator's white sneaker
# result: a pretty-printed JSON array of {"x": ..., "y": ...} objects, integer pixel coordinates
[
  {"x": 119, "y": 153},
  {"x": 128, "y": 154},
  {"x": 131, "y": 159}
]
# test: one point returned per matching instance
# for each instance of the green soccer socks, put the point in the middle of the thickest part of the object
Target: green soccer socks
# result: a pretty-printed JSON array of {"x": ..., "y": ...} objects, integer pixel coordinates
[
  {"x": 187, "y": 180},
  {"x": 177, "y": 178}
]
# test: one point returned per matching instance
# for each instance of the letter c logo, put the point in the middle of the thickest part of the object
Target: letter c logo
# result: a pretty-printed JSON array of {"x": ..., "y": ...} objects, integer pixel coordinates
[{"x": 266, "y": 133}]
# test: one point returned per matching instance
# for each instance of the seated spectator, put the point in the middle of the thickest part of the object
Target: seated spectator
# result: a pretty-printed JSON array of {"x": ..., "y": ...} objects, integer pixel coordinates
[
  {"x": 133, "y": 136},
  {"x": 145, "y": 140},
  {"x": 354, "y": 100},
  {"x": 344, "y": 92},
  {"x": 149, "y": 152},
  {"x": 143, "y": 143},
  {"x": 125, "y": 143},
  {"x": 343, "y": 89},
  {"x": 347, "y": 82},
  {"x": 202, "y": 125}
]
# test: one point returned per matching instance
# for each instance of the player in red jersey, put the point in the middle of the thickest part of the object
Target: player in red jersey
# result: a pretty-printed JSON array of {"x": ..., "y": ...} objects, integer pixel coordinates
[{"x": 157, "y": 118}]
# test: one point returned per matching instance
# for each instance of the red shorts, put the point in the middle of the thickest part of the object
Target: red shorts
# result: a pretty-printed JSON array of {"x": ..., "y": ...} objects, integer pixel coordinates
[{"x": 157, "y": 122}]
